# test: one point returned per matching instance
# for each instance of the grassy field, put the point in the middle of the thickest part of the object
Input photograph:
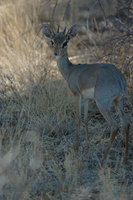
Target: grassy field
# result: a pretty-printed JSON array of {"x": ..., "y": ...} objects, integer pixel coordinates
[{"x": 37, "y": 119}]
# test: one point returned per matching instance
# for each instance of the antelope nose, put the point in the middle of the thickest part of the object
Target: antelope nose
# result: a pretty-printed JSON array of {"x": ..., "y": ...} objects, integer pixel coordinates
[{"x": 55, "y": 54}]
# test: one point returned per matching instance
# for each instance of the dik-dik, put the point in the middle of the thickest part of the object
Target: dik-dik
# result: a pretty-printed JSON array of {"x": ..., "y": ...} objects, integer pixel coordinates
[{"x": 102, "y": 82}]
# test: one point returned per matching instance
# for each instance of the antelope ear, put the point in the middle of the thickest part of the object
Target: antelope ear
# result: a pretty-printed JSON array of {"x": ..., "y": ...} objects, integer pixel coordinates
[
  {"x": 72, "y": 32},
  {"x": 48, "y": 32}
]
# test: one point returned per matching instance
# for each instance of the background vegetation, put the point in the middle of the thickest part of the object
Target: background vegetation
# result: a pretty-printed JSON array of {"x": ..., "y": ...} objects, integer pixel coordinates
[{"x": 37, "y": 110}]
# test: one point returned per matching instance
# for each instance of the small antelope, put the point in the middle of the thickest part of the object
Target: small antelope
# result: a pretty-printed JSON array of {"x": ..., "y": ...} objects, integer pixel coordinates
[{"x": 102, "y": 82}]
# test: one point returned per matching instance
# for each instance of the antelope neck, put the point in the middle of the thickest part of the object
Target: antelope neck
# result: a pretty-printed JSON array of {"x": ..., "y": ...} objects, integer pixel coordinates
[{"x": 64, "y": 65}]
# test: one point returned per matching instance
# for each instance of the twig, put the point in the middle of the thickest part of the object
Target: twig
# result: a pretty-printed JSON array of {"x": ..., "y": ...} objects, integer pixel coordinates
[{"x": 54, "y": 9}]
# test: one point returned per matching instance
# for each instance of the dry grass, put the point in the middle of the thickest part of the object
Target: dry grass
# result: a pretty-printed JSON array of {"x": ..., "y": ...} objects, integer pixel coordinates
[{"x": 37, "y": 123}]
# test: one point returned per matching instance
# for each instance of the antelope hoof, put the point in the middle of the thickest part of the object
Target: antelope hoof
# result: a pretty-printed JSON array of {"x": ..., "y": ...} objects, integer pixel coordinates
[
  {"x": 103, "y": 164},
  {"x": 125, "y": 159},
  {"x": 76, "y": 146}
]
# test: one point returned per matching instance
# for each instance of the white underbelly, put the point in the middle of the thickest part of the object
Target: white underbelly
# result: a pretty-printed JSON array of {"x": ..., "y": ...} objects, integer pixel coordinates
[{"x": 88, "y": 93}]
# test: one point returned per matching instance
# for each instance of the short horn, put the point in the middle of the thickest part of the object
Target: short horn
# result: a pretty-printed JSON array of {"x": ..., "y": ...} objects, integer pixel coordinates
[
  {"x": 58, "y": 29},
  {"x": 64, "y": 30}
]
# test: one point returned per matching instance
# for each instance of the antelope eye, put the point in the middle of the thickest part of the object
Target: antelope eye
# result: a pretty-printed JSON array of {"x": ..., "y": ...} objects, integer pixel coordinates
[
  {"x": 52, "y": 42},
  {"x": 64, "y": 44}
]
